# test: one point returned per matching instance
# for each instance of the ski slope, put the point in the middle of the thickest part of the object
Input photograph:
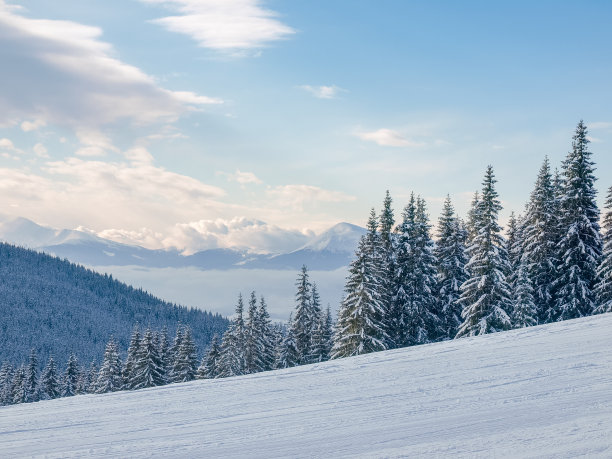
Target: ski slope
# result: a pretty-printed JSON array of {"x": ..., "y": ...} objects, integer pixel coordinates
[{"x": 544, "y": 391}]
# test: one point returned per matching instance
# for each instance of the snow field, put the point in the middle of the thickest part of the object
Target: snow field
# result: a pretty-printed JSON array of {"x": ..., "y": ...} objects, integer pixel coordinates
[{"x": 538, "y": 392}]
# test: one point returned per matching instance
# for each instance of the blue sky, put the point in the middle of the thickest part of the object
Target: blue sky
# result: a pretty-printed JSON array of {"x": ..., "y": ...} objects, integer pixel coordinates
[{"x": 205, "y": 123}]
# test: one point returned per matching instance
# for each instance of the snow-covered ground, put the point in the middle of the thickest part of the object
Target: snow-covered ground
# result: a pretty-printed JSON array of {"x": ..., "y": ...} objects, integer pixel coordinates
[{"x": 544, "y": 391}]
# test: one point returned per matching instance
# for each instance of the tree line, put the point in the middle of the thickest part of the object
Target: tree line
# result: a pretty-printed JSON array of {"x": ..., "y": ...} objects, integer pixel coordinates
[
  {"x": 251, "y": 344},
  {"x": 404, "y": 288}
]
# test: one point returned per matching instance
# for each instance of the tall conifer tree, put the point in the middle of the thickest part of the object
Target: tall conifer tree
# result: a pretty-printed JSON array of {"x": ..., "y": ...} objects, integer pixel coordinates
[
  {"x": 304, "y": 318},
  {"x": 579, "y": 250},
  {"x": 450, "y": 263},
  {"x": 109, "y": 377},
  {"x": 31, "y": 381},
  {"x": 233, "y": 345},
  {"x": 486, "y": 295},
  {"x": 71, "y": 377},
  {"x": 49, "y": 384},
  {"x": 539, "y": 240},
  {"x": 361, "y": 328}
]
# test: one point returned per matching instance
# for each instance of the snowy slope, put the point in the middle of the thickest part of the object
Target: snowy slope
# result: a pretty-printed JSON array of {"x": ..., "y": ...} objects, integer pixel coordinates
[{"x": 544, "y": 391}]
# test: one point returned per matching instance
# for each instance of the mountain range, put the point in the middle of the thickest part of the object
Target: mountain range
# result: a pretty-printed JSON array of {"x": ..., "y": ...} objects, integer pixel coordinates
[{"x": 329, "y": 250}]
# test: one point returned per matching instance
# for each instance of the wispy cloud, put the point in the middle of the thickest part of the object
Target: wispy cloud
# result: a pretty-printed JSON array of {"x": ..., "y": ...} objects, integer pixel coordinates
[
  {"x": 222, "y": 24},
  {"x": 61, "y": 72},
  {"x": 603, "y": 125},
  {"x": 242, "y": 177},
  {"x": 238, "y": 233},
  {"x": 7, "y": 144},
  {"x": 94, "y": 143},
  {"x": 323, "y": 92},
  {"x": 40, "y": 150},
  {"x": 388, "y": 138},
  {"x": 297, "y": 196},
  {"x": 28, "y": 126}
]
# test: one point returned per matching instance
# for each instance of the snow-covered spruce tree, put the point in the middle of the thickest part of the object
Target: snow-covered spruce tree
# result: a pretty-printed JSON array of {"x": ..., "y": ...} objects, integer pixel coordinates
[
  {"x": 92, "y": 377},
  {"x": 386, "y": 224},
  {"x": 603, "y": 287},
  {"x": 539, "y": 240},
  {"x": 231, "y": 362},
  {"x": 71, "y": 377},
  {"x": 164, "y": 352},
  {"x": 427, "y": 279},
  {"x": 253, "y": 340},
  {"x": 186, "y": 360},
  {"x": 6, "y": 380},
  {"x": 451, "y": 259},
  {"x": 173, "y": 350},
  {"x": 579, "y": 250},
  {"x": 323, "y": 337},
  {"x": 82, "y": 386},
  {"x": 304, "y": 318},
  {"x": 19, "y": 393},
  {"x": 31, "y": 378},
  {"x": 129, "y": 373},
  {"x": 416, "y": 278},
  {"x": 49, "y": 384},
  {"x": 110, "y": 377},
  {"x": 361, "y": 328},
  {"x": 485, "y": 295},
  {"x": 6, "y": 377},
  {"x": 209, "y": 368},
  {"x": 267, "y": 336},
  {"x": 524, "y": 312},
  {"x": 287, "y": 355},
  {"x": 317, "y": 344},
  {"x": 148, "y": 366}
]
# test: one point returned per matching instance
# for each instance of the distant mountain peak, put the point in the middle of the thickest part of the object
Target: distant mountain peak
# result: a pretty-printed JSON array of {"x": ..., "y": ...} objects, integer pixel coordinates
[{"x": 341, "y": 238}]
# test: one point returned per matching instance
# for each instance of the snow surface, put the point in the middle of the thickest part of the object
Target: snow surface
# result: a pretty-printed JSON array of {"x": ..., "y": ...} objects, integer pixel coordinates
[{"x": 543, "y": 391}]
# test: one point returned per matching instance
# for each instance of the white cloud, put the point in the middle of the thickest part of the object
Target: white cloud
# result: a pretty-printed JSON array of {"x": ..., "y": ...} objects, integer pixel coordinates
[
  {"x": 94, "y": 143},
  {"x": 143, "y": 237},
  {"x": 604, "y": 125},
  {"x": 131, "y": 194},
  {"x": 238, "y": 233},
  {"x": 7, "y": 144},
  {"x": 222, "y": 24},
  {"x": 139, "y": 156},
  {"x": 323, "y": 92},
  {"x": 61, "y": 72},
  {"x": 387, "y": 138},
  {"x": 40, "y": 150},
  {"x": 28, "y": 126},
  {"x": 297, "y": 196},
  {"x": 242, "y": 177},
  {"x": 245, "y": 233}
]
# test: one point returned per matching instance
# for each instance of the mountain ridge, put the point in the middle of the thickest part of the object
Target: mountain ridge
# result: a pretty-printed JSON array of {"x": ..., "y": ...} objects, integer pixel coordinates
[{"x": 329, "y": 250}]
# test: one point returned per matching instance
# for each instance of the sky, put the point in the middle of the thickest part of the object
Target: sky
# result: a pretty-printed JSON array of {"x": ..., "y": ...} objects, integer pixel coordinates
[{"x": 218, "y": 123}]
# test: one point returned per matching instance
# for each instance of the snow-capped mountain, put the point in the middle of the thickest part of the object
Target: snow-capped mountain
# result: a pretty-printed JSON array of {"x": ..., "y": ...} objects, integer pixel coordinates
[
  {"x": 340, "y": 238},
  {"x": 331, "y": 249}
]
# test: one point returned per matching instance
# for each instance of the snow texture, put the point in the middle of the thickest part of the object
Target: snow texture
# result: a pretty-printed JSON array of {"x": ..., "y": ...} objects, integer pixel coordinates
[{"x": 543, "y": 391}]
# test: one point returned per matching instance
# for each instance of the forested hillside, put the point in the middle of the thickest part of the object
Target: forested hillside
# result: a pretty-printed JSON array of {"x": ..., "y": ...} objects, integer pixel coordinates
[{"x": 57, "y": 307}]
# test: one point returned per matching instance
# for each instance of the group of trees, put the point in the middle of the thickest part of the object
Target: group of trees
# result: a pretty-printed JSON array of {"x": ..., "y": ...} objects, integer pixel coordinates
[
  {"x": 251, "y": 344},
  {"x": 58, "y": 307},
  {"x": 255, "y": 344},
  {"x": 405, "y": 289},
  {"x": 151, "y": 361}
]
